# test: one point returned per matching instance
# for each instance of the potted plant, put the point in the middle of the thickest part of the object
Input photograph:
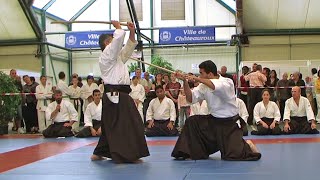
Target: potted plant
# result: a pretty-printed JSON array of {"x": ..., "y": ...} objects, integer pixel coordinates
[{"x": 8, "y": 104}]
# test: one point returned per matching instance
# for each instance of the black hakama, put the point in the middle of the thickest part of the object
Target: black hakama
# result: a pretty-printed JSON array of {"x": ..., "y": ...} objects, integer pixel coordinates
[
  {"x": 160, "y": 129},
  {"x": 86, "y": 131},
  {"x": 122, "y": 137},
  {"x": 267, "y": 131},
  {"x": 300, "y": 125},
  {"x": 204, "y": 135},
  {"x": 57, "y": 130}
]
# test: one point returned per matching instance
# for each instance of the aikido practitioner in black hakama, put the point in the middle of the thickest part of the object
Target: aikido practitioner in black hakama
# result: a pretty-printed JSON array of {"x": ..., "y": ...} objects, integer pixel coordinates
[
  {"x": 204, "y": 135},
  {"x": 92, "y": 117},
  {"x": 62, "y": 114},
  {"x": 298, "y": 115},
  {"x": 122, "y": 137},
  {"x": 161, "y": 115},
  {"x": 267, "y": 116}
]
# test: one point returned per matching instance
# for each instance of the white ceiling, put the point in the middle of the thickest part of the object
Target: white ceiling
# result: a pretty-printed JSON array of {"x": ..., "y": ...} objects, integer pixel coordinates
[
  {"x": 280, "y": 14},
  {"x": 13, "y": 22}
]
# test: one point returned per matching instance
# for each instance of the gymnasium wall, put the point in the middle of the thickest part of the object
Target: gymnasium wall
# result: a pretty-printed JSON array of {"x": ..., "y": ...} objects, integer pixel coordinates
[{"x": 284, "y": 53}]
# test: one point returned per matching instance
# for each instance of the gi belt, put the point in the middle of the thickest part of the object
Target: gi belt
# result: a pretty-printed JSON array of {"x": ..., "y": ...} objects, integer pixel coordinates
[{"x": 75, "y": 103}]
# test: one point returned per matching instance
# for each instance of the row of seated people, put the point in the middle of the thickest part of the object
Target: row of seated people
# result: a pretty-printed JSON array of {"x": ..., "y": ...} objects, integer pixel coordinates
[
  {"x": 61, "y": 115},
  {"x": 298, "y": 116}
]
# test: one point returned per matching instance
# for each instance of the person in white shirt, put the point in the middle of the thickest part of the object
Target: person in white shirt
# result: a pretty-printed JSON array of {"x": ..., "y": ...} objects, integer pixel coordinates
[
  {"x": 75, "y": 91},
  {"x": 204, "y": 135},
  {"x": 138, "y": 94},
  {"x": 122, "y": 137},
  {"x": 161, "y": 115},
  {"x": 146, "y": 82},
  {"x": 267, "y": 116},
  {"x": 92, "y": 117},
  {"x": 63, "y": 114},
  {"x": 101, "y": 86},
  {"x": 86, "y": 91},
  {"x": 199, "y": 108},
  {"x": 298, "y": 115},
  {"x": 63, "y": 86},
  {"x": 43, "y": 95},
  {"x": 243, "y": 113}
]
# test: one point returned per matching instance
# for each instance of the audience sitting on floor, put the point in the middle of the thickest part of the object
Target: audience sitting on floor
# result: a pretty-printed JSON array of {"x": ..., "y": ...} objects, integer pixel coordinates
[
  {"x": 267, "y": 116},
  {"x": 161, "y": 115},
  {"x": 62, "y": 114},
  {"x": 298, "y": 115}
]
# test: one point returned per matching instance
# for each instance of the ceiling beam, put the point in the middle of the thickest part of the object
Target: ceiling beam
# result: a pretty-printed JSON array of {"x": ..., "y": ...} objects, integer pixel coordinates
[
  {"x": 48, "y": 5},
  {"x": 82, "y": 10},
  {"x": 32, "y": 19},
  {"x": 239, "y": 16},
  {"x": 225, "y": 5},
  {"x": 280, "y": 32}
]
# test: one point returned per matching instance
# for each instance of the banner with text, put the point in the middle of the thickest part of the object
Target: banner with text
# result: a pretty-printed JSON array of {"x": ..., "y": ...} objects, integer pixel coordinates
[
  {"x": 187, "y": 35},
  {"x": 88, "y": 39}
]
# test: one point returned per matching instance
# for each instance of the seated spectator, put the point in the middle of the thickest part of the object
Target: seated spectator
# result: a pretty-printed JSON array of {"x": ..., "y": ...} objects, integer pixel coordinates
[
  {"x": 243, "y": 113},
  {"x": 267, "y": 116},
  {"x": 92, "y": 117},
  {"x": 298, "y": 115},
  {"x": 63, "y": 114},
  {"x": 199, "y": 108},
  {"x": 161, "y": 115}
]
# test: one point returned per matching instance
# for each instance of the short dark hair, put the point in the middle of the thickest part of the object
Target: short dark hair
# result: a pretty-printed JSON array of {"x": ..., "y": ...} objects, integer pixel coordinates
[
  {"x": 245, "y": 68},
  {"x": 158, "y": 87},
  {"x": 134, "y": 77},
  {"x": 102, "y": 38},
  {"x": 95, "y": 91},
  {"x": 209, "y": 66},
  {"x": 61, "y": 75},
  {"x": 259, "y": 67},
  {"x": 267, "y": 70},
  {"x": 314, "y": 71},
  {"x": 57, "y": 91},
  {"x": 24, "y": 76},
  {"x": 165, "y": 75},
  {"x": 32, "y": 78},
  {"x": 42, "y": 76},
  {"x": 90, "y": 77}
]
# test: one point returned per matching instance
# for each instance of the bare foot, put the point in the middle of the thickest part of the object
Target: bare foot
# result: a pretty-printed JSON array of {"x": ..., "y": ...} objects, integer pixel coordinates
[
  {"x": 253, "y": 146},
  {"x": 96, "y": 158}
]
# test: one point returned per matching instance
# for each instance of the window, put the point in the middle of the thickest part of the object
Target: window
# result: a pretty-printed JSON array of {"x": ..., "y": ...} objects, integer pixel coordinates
[
  {"x": 172, "y": 9},
  {"x": 124, "y": 11}
]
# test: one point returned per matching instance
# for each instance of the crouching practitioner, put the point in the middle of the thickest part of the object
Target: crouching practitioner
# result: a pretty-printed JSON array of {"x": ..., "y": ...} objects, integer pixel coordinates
[
  {"x": 92, "y": 117},
  {"x": 63, "y": 114},
  {"x": 122, "y": 128},
  {"x": 267, "y": 116},
  {"x": 218, "y": 131},
  {"x": 161, "y": 115},
  {"x": 298, "y": 115}
]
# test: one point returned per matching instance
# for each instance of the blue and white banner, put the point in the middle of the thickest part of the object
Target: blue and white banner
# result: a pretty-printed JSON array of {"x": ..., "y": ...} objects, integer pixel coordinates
[
  {"x": 88, "y": 39},
  {"x": 187, "y": 35}
]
